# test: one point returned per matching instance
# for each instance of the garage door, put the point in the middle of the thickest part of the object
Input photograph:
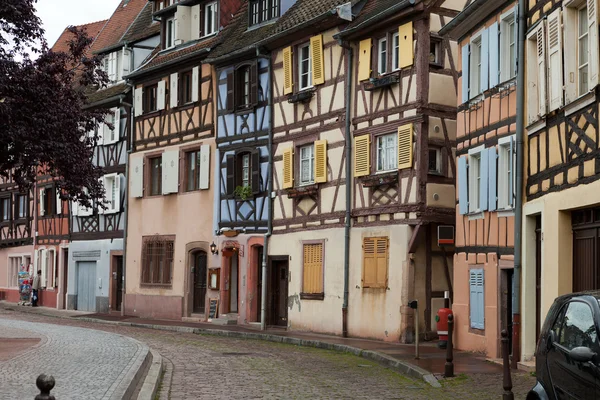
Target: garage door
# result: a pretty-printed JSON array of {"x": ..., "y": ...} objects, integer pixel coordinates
[{"x": 86, "y": 286}]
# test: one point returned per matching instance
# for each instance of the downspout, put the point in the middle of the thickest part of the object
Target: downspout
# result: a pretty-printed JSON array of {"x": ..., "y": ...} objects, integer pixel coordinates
[
  {"x": 349, "y": 56},
  {"x": 263, "y": 294},
  {"x": 129, "y": 139},
  {"x": 516, "y": 289}
]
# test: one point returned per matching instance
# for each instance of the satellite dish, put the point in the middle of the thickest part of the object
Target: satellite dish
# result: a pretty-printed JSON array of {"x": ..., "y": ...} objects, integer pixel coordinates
[{"x": 345, "y": 11}]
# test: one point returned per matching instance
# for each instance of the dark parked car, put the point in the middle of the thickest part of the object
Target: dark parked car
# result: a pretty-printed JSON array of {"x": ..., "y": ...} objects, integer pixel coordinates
[{"x": 568, "y": 351}]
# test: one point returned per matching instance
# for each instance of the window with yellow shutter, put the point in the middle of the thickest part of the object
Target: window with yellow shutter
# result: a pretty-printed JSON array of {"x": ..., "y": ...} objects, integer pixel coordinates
[
  {"x": 312, "y": 270},
  {"x": 375, "y": 262}
]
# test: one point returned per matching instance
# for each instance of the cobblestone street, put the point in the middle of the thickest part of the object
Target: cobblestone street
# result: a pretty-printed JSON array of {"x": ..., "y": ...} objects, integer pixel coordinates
[{"x": 209, "y": 367}]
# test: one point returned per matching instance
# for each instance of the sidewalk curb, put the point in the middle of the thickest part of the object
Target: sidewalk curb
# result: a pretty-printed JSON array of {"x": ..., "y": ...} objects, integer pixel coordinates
[
  {"x": 403, "y": 367},
  {"x": 152, "y": 380}
]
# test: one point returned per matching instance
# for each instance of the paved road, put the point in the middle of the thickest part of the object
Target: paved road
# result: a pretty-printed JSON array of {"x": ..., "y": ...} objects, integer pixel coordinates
[
  {"x": 86, "y": 363},
  {"x": 209, "y": 367}
]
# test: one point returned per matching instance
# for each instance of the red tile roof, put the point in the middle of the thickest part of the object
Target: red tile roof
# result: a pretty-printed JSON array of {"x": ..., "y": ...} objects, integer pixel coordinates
[
  {"x": 92, "y": 30},
  {"x": 124, "y": 15}
]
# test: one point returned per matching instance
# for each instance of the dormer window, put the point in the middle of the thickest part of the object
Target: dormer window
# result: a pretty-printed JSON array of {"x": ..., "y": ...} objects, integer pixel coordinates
[
  {"x": 263, "y": 10},
  {"x": 170, "y": 33},
  {"x": 211, "y": 18}
]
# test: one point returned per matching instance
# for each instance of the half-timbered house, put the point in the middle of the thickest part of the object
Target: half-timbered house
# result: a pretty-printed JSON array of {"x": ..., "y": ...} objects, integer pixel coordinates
[
  {"x": 562, "y": 172},
  {"x": 170, "y": 201},
  {"x": 485, "y": 158},
  {"x": 403, "y": 121},
  {"x": 96, "y": 251}
]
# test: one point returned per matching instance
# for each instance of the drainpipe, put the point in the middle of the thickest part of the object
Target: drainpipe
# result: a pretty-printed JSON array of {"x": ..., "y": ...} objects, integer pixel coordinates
[
  {"x": 125, "y": 212},
  {"x": 516, "y": 289},
  {"x": 263, "y": 294}
]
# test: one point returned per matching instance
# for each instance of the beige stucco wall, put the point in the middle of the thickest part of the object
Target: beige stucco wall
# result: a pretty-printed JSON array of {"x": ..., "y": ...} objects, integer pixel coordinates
[{"x": 5, "y": 254}]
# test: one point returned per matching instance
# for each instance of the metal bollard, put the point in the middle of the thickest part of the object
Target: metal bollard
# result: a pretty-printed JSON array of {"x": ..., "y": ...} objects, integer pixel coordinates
[
  {"x": 45, "y": 384},
  {"x": 449, "y": 366},
  {"x": 507, "y": 381}
]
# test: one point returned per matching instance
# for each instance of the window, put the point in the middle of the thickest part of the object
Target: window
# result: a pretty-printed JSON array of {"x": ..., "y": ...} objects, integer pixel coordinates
[
  {"x": 170, "y": 33},
  {"x": 263, "y": 10},
  {"x": 434, "y": 161},
  {"x": 192, "y": 170},
  {"x": 47, "y": 201},
  {"x": 243, "y": 87},
  {"x": 150, "y": 98},
  {"x": 112, "y": 193},
  {"x": 577, "y": 328},
  {"x": 157, "y": 260},
  {"x": 474, "y": 180},
  {"x": 582, "y": 50},
  {"x": 387, "y": 153},
  {"x": 210, "y": 19},
  {"x": 536, "y": 73},
  {"x": 476, "y": 299},
  {"x": 375, "y": 262},
  {"x": 508, "y": 46},
  {"x": 382, "y": 56},
  {"x": 475, "y": 61},
  {"x": 307, "y": 165},
  {"x": 155, "y": 176},
  {"x": 396, "y": 51},
  {"x": 304, "y": 67},
  {"x": 312, "y": 271},
  {"x": 14, "y": 264},
  {"x": 21, "y": 206},
  {"x": 185, "y": 87},
  {"x": 5, "y": 209},
  {"x": 506, "y": 173},
  {"x": 245, "y": 175}
]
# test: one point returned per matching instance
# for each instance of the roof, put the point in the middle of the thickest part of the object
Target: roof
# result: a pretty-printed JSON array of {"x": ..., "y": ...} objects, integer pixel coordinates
[
  {"x": 118, "y": 24},
  {"x": 375, "y": 11},
  {"x": 92, "y": 30},
  {"x": 143, "y": 26},
  {"x": 105, "y": 94},
  {"x": 471, "y": 16}
]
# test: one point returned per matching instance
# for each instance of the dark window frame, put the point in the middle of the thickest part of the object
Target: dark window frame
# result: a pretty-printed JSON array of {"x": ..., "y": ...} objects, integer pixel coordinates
[
  {"x": 234, "y": 171},
  {"x": 49, "y": 201},
  {"x": 16, "y": 208},
  {"x": 186, "y": 165},
  {"x": 233, "y": 102},
  {"x": 150, "y": 103},
  {"x": 184, "y": 90},
  {"x": 3, "y": 199},
  {"x": 151, "y": 187},
  {"x": 273, "y": 11},
  {"x": 157, "y": 250}
]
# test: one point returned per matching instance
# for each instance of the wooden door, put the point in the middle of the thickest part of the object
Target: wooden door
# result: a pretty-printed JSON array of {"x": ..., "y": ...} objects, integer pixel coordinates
[
  {"x": 233, "y": 283},
  {"x": 538, "y": 275},
  {"x": 279, "y": 293},
  {"x": 200, "y": 281},
  {"x": 119, "y": 285},
  {"x": 506, "y": 282},
  {"x": 259, "y": 275},
  {"x": 65, "y": 277},
  {"x": 586, "y": 226},
  {"x": 86, "y": 286}
]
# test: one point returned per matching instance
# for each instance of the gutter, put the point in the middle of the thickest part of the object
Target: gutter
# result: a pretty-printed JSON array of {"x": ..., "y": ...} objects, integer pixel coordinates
[
  {"x": 461, "y": 17},
  {"x": 520, "y": 134},
  {"x": 119, "y": 98},
  {"x": 141, "y": 72},
  {"x": 390, "y": 11},
  {"x": 129, "y": 139}
]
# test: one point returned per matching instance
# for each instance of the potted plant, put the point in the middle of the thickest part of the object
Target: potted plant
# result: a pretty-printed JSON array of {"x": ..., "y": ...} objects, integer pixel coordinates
[{"x": 243, "y": 192}]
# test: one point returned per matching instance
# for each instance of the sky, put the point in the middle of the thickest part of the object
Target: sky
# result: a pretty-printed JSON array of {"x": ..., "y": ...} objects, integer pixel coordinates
[{"x": 56, "y": 15}]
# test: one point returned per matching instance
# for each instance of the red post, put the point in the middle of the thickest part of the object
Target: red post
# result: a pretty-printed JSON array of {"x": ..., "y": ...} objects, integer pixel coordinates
[{"x": 507, "y": 381}]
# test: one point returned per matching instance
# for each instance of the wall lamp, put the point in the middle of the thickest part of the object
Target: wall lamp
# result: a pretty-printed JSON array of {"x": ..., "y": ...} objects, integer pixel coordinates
[{"x": 213, "y": 248}]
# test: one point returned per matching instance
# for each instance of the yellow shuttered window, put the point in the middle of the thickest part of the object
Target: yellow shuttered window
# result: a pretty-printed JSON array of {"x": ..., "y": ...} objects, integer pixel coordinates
[
  {"x": 312, "y": 282},
  {"x": 406, "y": 47},
  {"x": 318, "y": 68},
  {"x": 375, "y": 262},
  {"x": 362, "y": 156},
  {"x": 288, "y": 169},
  {"x": 288, "y": 82},
  {"x": 321, "y": 161},
  {"x": 405, "y": 146},
  {"x": 364, "y": 60}
]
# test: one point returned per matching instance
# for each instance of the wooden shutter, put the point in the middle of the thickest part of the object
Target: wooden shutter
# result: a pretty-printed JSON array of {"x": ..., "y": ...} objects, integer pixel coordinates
[
  {"x": 483, "y": 181},
  {"x": 42, "y": 203},
  {"x": 100, "y": 210},
  {"x": 492, "y": 168},
  {"x": 170, "y": 171},
  {"x": 138, "y": 106},
  {"x": 58, "y": 201},
  {"x": 405, "y": 146},
  {"x": 362, "y": 156},
  {"x": 255, "y": 165},
  {"x": 116, "y": 132},
  {"x": 364, "y": 60},
  {"x": 230, "y": 101},
  {"x": 101, "y": 128},
  {"x": 173, "y": 90},
  {"x": 44, "y": 259},
  {"x": 126, "y": 61},
  {"x": 375, "y": 262},
  {"x": 541, "y": 60},
  {"x": 112, "y": 66},
  {"x": 136, "y": 176},
  {"x": 312, "y": 269},
  {"x": 196, "y": 22},
  {"x": 406, "y": 45},
  {"x": 511, "y": 181},
  {"x": 494, "y": 52},
  {"x": 465, "y": 53},
  {"x": 161, "y": 95},
  {"x": 476, "y": 298},
  {"x": 117, "y": 183},
  {"x": 318, "y": 64},
  {"x": 253, "y": 84},
  {"x": 230, "y": 174},
  {"x": 592, "y": 6},
  {"x": 288, "y": 168},
  {"x": 484, "y": 83},
  {"x": 555, "y": 61},
  {"x": 288, "y": 80},
  {"x": 205, "y": 166},
  {"x": 195, "y": 83},
  {"x": 74, "y": 208},
  {"x": 321, "y": 161},
  {"x": 463, "y": 188}
]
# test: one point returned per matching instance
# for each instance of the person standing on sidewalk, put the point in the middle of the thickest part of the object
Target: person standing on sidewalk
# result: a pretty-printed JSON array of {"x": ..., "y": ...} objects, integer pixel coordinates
[{"x": 35, "y": 287}]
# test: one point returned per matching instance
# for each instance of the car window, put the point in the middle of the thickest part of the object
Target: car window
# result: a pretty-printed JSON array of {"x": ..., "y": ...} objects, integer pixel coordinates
[
  {"x": 578, "y": 328},
  {"x": 558, "y": 324}
]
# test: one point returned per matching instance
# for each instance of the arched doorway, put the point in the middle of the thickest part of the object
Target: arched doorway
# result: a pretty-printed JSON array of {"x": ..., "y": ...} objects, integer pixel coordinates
[{"x": 199, "y": 284}]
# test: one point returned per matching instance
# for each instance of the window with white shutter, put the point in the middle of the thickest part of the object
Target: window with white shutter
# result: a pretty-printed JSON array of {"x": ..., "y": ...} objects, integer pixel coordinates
[
  {"x": 536, "y": 74},
  {"x": 476, "y": 299},
  {"x": 506, "y": 173},
  {"x": 475, "y": 65},
  {"x": 508, "y": 46},
  {"x": 555, "y": 61},
  {"x": 477, "y": 177},
  {"x": 541, "y": 63}
]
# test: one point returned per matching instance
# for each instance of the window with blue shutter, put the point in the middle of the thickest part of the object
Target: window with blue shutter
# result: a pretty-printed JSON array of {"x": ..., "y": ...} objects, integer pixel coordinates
[
  {"x": 492, "y": 160},
  {"x": 494, "y": 49},
  {"x": 485, "y": 61},
  {"x": 463, "y": 189},
  {"x": 476, "y": 299},
  {"x": 465, "y": 73},
  {"x": 483, "y": 181}
]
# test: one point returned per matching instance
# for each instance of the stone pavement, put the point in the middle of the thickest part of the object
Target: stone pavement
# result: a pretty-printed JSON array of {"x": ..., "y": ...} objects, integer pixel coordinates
[{"x": 85, "y": 363}]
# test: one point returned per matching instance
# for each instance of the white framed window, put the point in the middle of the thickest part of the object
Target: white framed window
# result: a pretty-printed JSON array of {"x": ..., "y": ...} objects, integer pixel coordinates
[
  {"x": 582, "y": 51},
  {"x": 112, "y": 189},
  {"x": 506, "y": 173},
  {"x": 170, "y": 33},
  {"x": 210, "y": 19},
  {"x": 304, "y": 67},
  {"x": 14, "y": 266},
  {"x": 508, "y": 46},
  {"x": 434, "y": 161},
  {"x": 536, "y": 73},
  {"x": 475, "y": 166},
  {"x": 246, "y": 169},
  {"x": 475, "y": 69},
  {"x": 387, "y": 152},
  {"x": 382, "y": 56},
  {"x": 396, "y": 52},
  {"x": 307, "y": 165}
]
